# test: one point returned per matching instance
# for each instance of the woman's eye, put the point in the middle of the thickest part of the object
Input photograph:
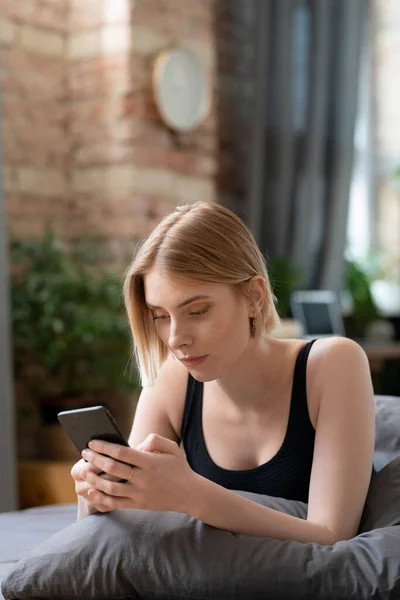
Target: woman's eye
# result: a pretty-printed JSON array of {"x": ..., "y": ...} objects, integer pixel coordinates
[
  {"x": 201, "y": 312},
  {"x": 198, "y": 313}
]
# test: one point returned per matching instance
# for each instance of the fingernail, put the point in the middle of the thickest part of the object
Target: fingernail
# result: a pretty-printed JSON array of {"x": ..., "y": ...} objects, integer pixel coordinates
[{"x": 84, "y": 453}]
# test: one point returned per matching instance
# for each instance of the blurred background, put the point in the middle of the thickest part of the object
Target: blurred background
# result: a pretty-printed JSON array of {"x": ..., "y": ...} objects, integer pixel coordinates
[{"x": 115, "y": 111}]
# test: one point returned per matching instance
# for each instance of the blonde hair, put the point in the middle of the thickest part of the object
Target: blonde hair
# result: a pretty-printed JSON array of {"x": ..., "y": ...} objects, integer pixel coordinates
[{"x": 205, "y": 242}]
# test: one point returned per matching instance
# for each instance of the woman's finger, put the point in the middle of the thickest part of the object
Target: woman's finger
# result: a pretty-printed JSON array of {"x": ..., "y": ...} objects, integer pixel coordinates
[
  {"x": 82, "y": 466},
  {"x": 99, "y": 498},
  {"x": 107, "y": 465},
  {"x": 82, "y": 490},
  {"x": 108, "y": 477},
  {"x": 136, "y": 456},
  {"x": 158, "y": 443},
  {"x": 111, "y": 488}
]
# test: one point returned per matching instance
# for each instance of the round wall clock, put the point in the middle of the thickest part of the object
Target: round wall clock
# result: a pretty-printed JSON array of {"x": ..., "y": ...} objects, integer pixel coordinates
[{"x": 180, "y": 88}]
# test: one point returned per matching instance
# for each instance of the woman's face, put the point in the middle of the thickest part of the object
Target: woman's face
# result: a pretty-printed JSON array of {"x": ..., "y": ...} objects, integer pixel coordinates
[{"x": 199, "y": 320}]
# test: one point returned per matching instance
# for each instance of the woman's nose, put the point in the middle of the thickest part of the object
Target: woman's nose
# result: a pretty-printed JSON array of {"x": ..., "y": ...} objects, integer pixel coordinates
[{"x": 177, "y": 336}]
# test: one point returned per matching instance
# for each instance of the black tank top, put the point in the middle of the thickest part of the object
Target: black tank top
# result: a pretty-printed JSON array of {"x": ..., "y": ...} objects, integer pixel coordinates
[{"x": 287, "y": 474}]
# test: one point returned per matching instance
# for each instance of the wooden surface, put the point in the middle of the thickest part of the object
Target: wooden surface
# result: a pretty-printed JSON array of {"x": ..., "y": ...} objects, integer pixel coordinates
[
  {"x": 379, "y": 352},
  {"x": 45, "y": 482}
]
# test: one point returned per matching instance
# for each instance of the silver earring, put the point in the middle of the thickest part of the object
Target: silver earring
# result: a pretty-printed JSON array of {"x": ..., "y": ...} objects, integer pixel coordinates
[{"x": 253, "y": 326}]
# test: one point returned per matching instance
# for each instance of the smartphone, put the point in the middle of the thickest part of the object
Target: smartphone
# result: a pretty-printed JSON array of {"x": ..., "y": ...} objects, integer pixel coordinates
[{"x": 93, "y": 423}]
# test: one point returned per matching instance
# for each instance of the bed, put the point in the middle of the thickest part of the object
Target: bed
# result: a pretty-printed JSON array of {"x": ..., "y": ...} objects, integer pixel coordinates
[{"x": 23, "y": 531}]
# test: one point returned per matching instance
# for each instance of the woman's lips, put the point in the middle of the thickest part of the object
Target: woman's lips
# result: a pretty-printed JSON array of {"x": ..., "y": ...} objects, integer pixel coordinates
[{"x": 193, "y": 362}]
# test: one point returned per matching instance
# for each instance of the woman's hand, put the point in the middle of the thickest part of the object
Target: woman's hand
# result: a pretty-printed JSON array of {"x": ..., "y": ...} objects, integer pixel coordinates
[
  {"x": 157, "y": 476},
  {"x": 82, "y": 488}
]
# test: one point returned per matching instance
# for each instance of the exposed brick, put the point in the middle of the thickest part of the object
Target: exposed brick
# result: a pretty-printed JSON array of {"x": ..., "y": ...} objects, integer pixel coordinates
[
  {"x": 85, "y": 14},
  {"x": 36, "y": 205},
  {"x": 45, "y": 182},
  {"x": 116, "y": 39},
  {"x": 125, "y": 133},
  {"x": 102, "y": 77},
  {"x": 205, "y": 52},
  {"x": 147, "y": 41},
  {"x": 23, "y": 227},
  {"x": 9, "y": 180},
  {"x": 98, "y": 66},
  {"x": 116, "y": 11},
  {"x": 41, "y": 42},
  {"x": 85, "y": 150},
  {"x": 191, "y": 163},
  {"x": 85, "y": 125},
  {"x": 180, "y": 187},
  {"x": 175, "y": 18},
  {"x": 163, "y": 17},
  {"x": 8, "y": 31},
  {"x": 51, "y": 14},
  {"x": 20, "y": 10},
  {"x": 35, "y": 151},
  {"x": 140, "y": 107},
  {"x": 87, "y": 180},
  {"x": 32, "y": 76},
  {"x": 83, "y": 45},
  {"x": 16, "y": 106}
]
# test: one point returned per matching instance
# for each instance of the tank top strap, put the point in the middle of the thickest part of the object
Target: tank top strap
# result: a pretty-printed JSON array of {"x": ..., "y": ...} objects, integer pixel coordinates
[{"x": 299, "y": 404}]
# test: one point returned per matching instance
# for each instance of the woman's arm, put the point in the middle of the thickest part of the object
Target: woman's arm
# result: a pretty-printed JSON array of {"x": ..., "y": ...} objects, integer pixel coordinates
[
  {"x": 222, "y": 508},
  {"x": 342, "y": 464}
]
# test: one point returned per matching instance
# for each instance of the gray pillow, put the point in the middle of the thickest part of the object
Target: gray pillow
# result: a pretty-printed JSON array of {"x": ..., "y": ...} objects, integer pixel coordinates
[
  {"x": 382, "y": 506},
  {"x": 141, "y": 554},
  {"x": 387, "y": 423}
]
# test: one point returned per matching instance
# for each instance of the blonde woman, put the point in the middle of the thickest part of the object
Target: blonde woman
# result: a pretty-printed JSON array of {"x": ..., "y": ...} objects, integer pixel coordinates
[{"x": 224, "y": 405}]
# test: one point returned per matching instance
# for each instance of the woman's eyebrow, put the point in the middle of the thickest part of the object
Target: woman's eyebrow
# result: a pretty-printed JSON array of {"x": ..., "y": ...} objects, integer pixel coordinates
[{"x": 185, "y": 302}]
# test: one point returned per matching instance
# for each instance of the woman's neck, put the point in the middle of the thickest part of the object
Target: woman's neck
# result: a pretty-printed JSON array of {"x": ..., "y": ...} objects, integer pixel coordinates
[{"x": 254, "y": 377}]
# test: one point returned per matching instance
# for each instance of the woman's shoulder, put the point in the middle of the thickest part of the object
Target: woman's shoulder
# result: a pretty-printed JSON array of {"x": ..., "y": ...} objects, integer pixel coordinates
[
  {"x": 334, "y": 358},
  {"x": 330, "y": 361},
  {"x": 336, "y": 350},
  {"x": 323, "y": 347}
]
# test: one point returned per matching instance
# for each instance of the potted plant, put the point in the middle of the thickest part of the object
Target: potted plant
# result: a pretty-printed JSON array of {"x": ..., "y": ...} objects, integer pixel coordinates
[
  {"x": 284, "y": 277},
  {"x": 358, "y": 283},
  {"x": 71, "y": 340}
]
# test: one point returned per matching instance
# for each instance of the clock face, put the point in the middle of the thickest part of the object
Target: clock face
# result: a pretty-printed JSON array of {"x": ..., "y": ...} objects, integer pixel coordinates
[{"x": 180, "y": 89}]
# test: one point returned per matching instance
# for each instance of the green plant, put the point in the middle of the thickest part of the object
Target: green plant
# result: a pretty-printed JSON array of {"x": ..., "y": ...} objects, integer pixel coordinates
[
  {"x": 284, "y": 277},
  {"x": 358, "y": 283},
  {"x": 70, "y": 334}
]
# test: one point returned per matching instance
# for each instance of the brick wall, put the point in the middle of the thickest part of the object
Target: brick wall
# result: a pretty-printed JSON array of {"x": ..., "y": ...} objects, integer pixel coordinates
[
  {"x": 84, "y": 147},
  {"x": 126, "y": 168},
  {"x": 386, "y": 55},
  {"x": 32, "y": 37}
]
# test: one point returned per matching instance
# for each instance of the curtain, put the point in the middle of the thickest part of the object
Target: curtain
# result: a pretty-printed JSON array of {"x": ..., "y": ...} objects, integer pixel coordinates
[{"x": 307, "y": 66}]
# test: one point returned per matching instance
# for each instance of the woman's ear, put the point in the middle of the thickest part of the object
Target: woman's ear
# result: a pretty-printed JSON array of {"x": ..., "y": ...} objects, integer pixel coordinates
[{"x": 256, "y": 292}]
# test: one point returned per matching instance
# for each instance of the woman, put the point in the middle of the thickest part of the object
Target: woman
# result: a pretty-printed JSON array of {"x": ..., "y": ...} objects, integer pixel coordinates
[{"x": 225, "y": 405}]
